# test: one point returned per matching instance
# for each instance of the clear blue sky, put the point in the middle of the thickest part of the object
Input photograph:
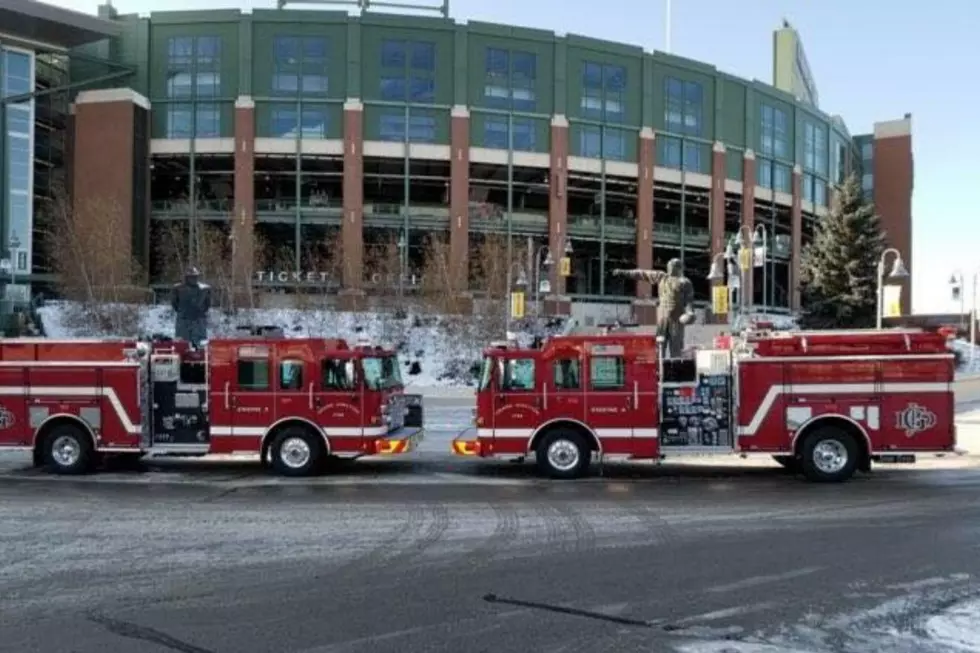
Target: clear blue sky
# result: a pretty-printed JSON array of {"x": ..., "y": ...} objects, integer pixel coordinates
[{"x": 871, "y": 60}]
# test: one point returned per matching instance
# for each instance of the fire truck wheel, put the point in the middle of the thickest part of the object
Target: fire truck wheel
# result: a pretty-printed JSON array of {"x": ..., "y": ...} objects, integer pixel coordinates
[
  {"x": 296, "y": 452},
  {"x": 562, "y": 454},
  {"x": 67, "y": 449},
  {"x": 830, "y": 455}
]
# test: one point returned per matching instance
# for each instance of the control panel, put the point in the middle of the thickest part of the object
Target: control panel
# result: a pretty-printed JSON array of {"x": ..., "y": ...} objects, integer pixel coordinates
[{"x": 697, "y": 413}]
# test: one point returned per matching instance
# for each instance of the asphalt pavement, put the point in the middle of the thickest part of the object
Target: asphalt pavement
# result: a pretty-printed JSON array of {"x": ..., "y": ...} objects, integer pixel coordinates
[
  {"x": 726, "y": 561},
  {"x": 430, "y": 552}
]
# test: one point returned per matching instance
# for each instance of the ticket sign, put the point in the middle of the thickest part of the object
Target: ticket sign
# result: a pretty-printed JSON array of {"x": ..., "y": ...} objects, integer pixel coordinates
[
  {"x": 517, "y": 305},
  {"x": 719, "y": 300}
]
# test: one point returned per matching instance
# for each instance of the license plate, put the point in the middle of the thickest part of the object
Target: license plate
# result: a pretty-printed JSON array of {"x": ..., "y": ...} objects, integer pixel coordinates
[{"x": 896, "y": 458}]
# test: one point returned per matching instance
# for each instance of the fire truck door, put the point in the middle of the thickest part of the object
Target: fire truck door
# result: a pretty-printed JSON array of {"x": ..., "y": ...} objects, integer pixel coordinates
[
  {"x": 338, "y": 400},
  {"x": 610, "y": 406},
  {"x": 517, "y": 403},
  {"x": 252, "y": 396}
]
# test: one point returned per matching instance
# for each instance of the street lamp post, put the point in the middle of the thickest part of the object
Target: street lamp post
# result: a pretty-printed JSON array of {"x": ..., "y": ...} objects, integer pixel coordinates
[
  {"x": 14, "y": 249},
  {"x": 548, "y": 262},
  {"x": 760, "y": 236},
  {"x": 958, "y": 285},
  {"x": 402, "y": 264},
  {"x": 520, "y": 282},
  {"x": 898, "y": 271},
  {"x": 725, "y": 264}
]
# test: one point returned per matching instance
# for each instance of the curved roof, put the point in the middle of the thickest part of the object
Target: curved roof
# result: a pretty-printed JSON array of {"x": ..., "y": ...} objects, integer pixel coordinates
[{"x": 50, "y": 25}]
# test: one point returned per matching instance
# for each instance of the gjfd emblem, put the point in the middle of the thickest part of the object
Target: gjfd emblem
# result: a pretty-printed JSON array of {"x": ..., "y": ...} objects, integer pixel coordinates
[
  {"x": 6, "y": 418},
  {"x": 915, "y": 419}
]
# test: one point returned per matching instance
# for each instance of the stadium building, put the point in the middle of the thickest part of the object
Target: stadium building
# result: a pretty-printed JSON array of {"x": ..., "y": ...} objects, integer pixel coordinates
[{"x": 286, "y": 130}]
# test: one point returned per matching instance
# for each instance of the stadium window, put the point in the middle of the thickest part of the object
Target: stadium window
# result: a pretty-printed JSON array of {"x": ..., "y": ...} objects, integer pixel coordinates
[
  {"x": 299, "y": 65},
  {"x": 421, "y": 128},
  {"x": 603, "y": 92},
  {"x": 782, "y": 178},
  {"x": 682, "y": 107},
  {"x": 408, "y": 71},
  {"x": 510, "y": 79}
]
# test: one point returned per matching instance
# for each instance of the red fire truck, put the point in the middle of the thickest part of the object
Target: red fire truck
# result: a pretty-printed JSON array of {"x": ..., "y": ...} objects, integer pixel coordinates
[
  {"x": 824, "y": 403},
  {"x": 295, "y": 402}
]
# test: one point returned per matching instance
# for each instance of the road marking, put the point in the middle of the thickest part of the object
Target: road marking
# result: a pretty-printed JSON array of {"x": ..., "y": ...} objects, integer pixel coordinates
[
  {"x": 754, "y": 581},
  {"x": 725, "y": 613}
]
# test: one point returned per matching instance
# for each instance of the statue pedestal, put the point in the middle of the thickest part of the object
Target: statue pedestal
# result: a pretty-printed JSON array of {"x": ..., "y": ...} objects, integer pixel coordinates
[
  {"x": 351, "y": 300},
  {"x": 645, "y": 311},
  {"x": 557, "y": 305}
]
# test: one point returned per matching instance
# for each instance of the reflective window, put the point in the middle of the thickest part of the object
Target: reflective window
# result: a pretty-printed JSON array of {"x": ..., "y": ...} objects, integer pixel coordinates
[
  {"x": 867, "y": 151},
  {"x": 682, "y": 106},
  {"x": 285, "y": 122},
  {"x": 408, "y": 71},
  {"x": 517, "y": 375},
  {"x": 603, "y": 92},
  {"x": 300, "y": 65},
  {"x": 607, "y": 372},
  {"x": 597, "y": 142},
  {"x": 495, "y": 134},
  {"x": 671, "y": 154},
  {"x": 193, "y": 72},
  {"x": 773, "y": 132},
  {"x": 421, "y": 128},
  {"x": 510, "y": 80}
]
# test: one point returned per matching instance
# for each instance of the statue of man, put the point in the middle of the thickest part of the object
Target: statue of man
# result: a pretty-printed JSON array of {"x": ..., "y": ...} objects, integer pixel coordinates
[
  {"x": 191, "y": 302},
  {"x": 676, "y": 302}
]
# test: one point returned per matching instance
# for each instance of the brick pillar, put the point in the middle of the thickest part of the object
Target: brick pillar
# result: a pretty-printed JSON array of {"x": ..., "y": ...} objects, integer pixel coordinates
[
  {"x": 716, "y": 220},
  {"x": 748, "y": 217},
  {"x": 104, "y": 169},
  {"x": 557, "y": 303},
  {"x": 352, "y": 232},
  {"x": 796, "y": 238},
  {"x": 893, "y": 181},
  {"x": 459, "y": 209},
  {"x": 644, "y": 308},
  {"x": 244, "y": 260}
]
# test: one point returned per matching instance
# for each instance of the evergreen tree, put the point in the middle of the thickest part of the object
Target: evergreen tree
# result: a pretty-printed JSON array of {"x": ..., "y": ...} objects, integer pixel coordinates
[{"x": 839, "y": 269}]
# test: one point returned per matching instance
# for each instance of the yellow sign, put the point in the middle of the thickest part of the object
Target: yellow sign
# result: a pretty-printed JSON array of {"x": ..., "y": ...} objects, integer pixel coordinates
[
  {"x": 745, "y": 258},
  {"x": 517, "y": 305},
  {"x": 719, "y": 300},
  {"x": 565, "y": 266},
  {"x": 893, "y": 301}
]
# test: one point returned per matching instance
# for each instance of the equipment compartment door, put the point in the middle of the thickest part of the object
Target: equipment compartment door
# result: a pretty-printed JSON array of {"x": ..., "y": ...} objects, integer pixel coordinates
[
  {"x": 610, "y": 407},
  {"x": 917, "y": 406},
  {"x": 252, "y": 398}
]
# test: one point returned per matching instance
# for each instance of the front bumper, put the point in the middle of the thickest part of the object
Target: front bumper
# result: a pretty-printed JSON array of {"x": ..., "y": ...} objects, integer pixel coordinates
[
  {"x": 399, "y": 441},
  {"x": 466, "y": 443}
]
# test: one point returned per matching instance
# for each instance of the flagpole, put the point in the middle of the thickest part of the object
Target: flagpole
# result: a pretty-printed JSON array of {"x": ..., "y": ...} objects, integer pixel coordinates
[{"x": 667, "y": 29}]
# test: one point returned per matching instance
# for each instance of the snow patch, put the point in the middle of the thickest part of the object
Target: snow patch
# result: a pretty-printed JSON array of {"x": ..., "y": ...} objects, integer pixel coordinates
[
  {"x": 958, "y": 628},
  {"x": 436, "y": 351}
]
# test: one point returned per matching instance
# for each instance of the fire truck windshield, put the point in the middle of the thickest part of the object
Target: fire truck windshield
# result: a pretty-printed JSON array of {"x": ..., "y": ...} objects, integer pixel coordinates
[{"x": 382, "y": 372}]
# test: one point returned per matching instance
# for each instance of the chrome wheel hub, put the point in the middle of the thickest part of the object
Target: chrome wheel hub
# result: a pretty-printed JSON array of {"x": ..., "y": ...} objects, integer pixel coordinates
[
  {"x": 563, "y": 455},
  {"x": 830, "y": 456},
  {"x": 66, "y": 451},
  {"x": 295, "y": 453}
]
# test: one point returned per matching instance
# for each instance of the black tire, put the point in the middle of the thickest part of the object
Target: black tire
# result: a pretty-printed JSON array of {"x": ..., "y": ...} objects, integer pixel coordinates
[
  {"x": 288, "y": 447},
  {"x": 569, "y": 446},
  {"x": 67, "y": 450},
  {"x": 791, "y": 463},
  {"x": 819, "y": 449}
]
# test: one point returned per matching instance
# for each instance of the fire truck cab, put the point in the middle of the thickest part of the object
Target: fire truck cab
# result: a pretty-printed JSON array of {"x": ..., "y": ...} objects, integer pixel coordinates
[
  {"x": 295, "y": 402},
  {"x": 824, "y": 403}
]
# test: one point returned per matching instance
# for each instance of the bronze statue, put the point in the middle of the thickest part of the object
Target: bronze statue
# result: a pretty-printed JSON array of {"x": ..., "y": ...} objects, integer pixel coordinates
[
  {"x": 676, "y": 302},
  {"x": 191, "y": 302}
]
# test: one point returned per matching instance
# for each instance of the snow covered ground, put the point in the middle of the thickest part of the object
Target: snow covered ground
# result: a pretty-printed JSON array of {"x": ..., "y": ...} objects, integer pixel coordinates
[
  {"x": 436, "y": 352},
  {"x": 931, "y": 615}
]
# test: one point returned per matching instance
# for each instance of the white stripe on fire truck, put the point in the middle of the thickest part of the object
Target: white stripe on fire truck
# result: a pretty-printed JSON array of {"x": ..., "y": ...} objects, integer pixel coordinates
[
  {"x": 524, "y": 434},
  {"x": 76, "y": 391},
  {"x": 331, "y": 432},
  {"x": 833, "y": 388}
]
